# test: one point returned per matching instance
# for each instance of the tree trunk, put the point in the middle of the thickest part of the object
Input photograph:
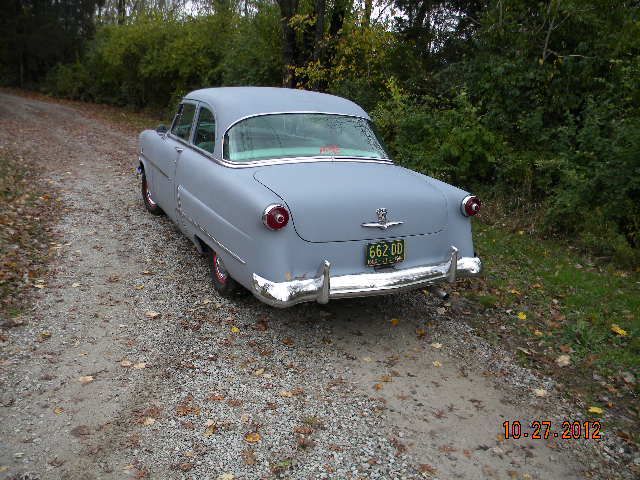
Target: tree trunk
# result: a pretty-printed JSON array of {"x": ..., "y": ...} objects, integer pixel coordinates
[
  {"x": 288, "y": 9},
  {"x": 121, "y": 12},
  {"x": 366, "y": 19},
  {"x": 321, "y": 8},
  {"x": 337, "y": 17}
]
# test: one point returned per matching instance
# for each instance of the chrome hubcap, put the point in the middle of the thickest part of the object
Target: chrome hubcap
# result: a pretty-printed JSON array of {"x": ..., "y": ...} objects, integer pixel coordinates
[
  {"x": 221, "y": 272},
  {"x": 147, "y": 192}
]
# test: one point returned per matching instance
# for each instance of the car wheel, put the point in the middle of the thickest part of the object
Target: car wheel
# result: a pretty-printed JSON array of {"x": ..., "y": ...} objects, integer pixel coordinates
[
  {"x": 222, "y": 281},
  {"x": 151, "y": 206}
]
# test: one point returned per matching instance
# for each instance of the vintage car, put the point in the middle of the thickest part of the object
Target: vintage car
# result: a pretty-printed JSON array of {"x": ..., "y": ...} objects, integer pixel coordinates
[{"x": 292, "y": 196}]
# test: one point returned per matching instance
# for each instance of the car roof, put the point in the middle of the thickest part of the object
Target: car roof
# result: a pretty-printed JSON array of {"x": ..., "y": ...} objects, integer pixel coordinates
[{"x": 231, "y": 104}]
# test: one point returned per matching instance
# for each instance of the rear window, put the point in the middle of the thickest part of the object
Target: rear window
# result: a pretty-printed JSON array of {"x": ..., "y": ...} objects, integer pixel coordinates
[{"x": 295, "y": 135}]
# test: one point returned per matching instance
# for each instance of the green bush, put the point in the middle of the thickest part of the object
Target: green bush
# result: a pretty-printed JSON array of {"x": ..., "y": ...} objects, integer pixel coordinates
[
  {"x": 155, "y": 60},
  {"x": 445, "y": 141}
]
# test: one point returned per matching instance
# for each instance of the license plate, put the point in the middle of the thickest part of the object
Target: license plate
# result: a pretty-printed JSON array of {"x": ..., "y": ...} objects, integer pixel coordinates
[{"x": 384, "y": 253}]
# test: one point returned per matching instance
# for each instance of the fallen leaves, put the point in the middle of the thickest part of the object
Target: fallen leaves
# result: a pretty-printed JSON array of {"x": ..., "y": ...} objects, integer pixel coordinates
[
  {"x": 618, "y": 331},
  {"x": 394, "y": 322},
  {"x": 211, "y": 428},
  {"x": 249, "y": 457},
  {"x": 252, "y": 437},
  {"x": 58, "y": 410},
  {"x": 86, "y": 379},
  {"x": 437, "y": 363},
  {"x": 80, "y": 431},
  {"x": 148, "y": 421},
  {"x": 43, "y": 336},
  {"x": 540, "y": 392},
  {"x": 563, "y": 360},
  {"x": 187, "y": 409},
  {"x": 152, "y": 314},
  {"x": 596, "y": 410}
]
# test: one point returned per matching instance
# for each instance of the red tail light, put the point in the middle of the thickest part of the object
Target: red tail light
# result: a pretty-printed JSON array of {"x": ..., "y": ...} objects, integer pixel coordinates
[
  {"x": 470, "y": 206},
  {"x": 275, "y": 217}
]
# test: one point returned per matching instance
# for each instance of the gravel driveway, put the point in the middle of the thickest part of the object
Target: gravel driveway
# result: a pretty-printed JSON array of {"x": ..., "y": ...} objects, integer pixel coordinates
[{"x": 130, "y": 366}]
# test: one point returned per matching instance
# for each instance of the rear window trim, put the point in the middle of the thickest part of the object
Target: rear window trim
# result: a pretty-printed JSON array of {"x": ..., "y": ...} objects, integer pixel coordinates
[{"x": 305, "y": 159}]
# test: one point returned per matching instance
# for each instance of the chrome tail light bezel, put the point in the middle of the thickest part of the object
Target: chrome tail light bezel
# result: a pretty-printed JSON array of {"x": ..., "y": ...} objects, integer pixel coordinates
[
  {"x": 470, "y": 206},
  {"x": 267, "y": 212}
]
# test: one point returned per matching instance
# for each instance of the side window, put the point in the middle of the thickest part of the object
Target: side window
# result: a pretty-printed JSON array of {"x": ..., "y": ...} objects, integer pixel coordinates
[
  {"x": 205, "y": 135},
  {"x": 182, "y": 124}
]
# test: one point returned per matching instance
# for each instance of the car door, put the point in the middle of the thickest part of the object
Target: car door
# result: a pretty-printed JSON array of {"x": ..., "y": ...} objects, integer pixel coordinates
[
  {"x": 194, "y": 167},
  {"x": 202, "y": 192},
  {"x": 169, "y": 150}
]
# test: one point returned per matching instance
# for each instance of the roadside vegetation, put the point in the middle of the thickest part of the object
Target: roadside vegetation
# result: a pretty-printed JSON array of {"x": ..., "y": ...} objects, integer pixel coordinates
[{"x": 564, "y": 314}]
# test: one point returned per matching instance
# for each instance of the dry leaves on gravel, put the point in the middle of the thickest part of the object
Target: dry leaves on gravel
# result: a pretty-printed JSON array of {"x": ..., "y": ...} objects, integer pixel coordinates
[
  {"x": 86, "y": 379},
  {"x": 252, "y": 437}
]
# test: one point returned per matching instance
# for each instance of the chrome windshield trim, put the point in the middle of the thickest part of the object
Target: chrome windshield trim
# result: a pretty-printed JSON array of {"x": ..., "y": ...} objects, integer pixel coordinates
[
  {"x": 279, "y": 161},
  {"x": 292, "y": 160},
  {"x": 263, "y": 114}
]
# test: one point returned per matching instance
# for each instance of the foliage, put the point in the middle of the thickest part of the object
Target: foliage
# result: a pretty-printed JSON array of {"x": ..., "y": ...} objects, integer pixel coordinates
[
  {"x": 37, "y": 34},
  {"x": 537, "y": 103},
  {"x": 155, "y": 60},
  {"x": 448, "y": 142}
]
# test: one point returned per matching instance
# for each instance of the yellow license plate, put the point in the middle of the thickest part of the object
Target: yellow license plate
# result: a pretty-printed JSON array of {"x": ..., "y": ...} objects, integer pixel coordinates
[{"x": 384, "y": 253}]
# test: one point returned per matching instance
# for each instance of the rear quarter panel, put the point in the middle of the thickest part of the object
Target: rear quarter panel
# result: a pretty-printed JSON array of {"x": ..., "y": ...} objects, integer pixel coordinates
[{"x": 228, "y": 203}]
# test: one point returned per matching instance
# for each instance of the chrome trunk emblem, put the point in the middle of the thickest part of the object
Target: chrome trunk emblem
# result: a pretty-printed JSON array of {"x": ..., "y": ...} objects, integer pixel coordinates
[{"x": 382, "y": 220}]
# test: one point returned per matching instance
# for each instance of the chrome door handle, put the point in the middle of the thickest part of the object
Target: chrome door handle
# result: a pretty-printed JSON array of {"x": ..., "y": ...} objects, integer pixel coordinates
[{"x": 179, "y": 149}]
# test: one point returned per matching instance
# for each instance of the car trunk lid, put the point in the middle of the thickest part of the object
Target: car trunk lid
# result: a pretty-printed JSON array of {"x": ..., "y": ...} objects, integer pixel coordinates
[{"x": 329, "y": 201}]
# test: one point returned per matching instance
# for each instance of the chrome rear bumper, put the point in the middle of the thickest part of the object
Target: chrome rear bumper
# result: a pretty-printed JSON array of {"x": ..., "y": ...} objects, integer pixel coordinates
[{"x": 323, "y": 286}]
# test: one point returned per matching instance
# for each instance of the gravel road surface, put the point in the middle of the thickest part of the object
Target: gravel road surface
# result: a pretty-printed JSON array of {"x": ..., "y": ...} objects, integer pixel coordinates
[{"x": 130, "y": 366}]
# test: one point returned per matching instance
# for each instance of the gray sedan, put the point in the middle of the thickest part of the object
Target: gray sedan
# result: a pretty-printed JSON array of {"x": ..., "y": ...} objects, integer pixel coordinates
[{"x": 292, "y": 196}]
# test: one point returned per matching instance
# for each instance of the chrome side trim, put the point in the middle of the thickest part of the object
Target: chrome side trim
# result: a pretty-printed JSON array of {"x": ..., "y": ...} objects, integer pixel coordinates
[
  {"x": 280, "y": 161},
  {"x": 324, "y": 287},
  {"x": 183, "y": 214}
]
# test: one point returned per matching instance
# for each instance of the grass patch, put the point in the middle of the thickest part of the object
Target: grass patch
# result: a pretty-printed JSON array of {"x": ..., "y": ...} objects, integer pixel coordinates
[{"x": 546, "y": 299}]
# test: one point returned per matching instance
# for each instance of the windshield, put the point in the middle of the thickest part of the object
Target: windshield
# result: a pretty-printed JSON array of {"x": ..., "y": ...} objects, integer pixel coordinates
[{"x": 293, "y": 135}]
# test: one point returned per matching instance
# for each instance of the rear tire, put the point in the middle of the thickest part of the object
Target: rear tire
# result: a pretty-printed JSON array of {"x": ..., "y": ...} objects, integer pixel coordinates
[
  {"x": 151, "y": 206},
  {"x": 224, "y": 285}
]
